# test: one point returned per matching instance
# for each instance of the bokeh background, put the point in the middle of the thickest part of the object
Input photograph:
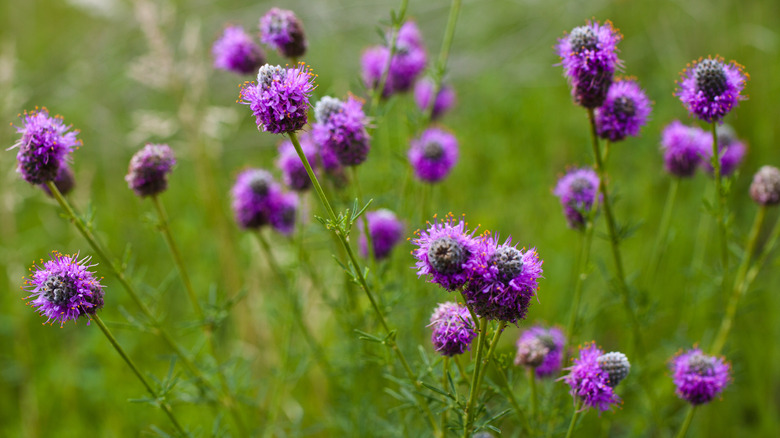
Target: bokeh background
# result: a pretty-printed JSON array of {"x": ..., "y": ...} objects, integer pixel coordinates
[{"x": 130, "y": 72}]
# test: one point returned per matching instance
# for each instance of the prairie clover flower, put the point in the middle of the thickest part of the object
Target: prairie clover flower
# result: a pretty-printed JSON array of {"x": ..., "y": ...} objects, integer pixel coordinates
[
  {"x": 423, "y": 93},
  {"x": 252, "y": 194},
  {"x": 44, "y": 147},
  {"x": 624, "y": 111},
  {"x": 504, "y": 281},
  {"x": 386, "y": 231},
  {"x": 698, "y": 377},
  {"x": 453, "y": 329},
  {"x": 280, "y": 99},
  {"x": 62, "y": 288},
  {"x": 282, "y": 211},
  {"x": 577, "y": 191},
  {"x": 589, "y": 59},
  {"x": 341, "y": 129},
  {"x": 710, "y": 88},
  {"x": 731, "y": 151},
  {"x": 683, "y": 147},
  {"x": 765, "y": 189},
  {"x": 294, "y": 173},
  {"x": 542, "y": 349},
  {"x": 446, "y": 253},
  {"x": 406, "y": 65},
  {"x": 236, "y": 52},
  {"x": 281, "y": 29},
  {"x": 149, "y": 169},
  {"x": 65, "y": 181},
  {"x": 433, "y": 154},
  {"x": 594, "y": 375}
]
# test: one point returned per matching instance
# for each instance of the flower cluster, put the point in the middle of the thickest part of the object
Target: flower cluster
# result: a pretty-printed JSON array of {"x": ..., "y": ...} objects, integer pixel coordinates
[
  {"x": 385, "y": 230},
  {"x": 433, "y": 154},
  {"x": 541, "y": 349},
  {"x": 453, "y": 329},
  {"x": 258, "y": 200},
  {"x": 407, "y": 62},
  {"x": 423, "y": 94},
  {"x": 281, "y": 29},
  {"x": 341, "y": 130},
  {"x": 594, "y": 375},
  {"x": 149, "y": 169},
  {"x": 699, "y": 378},
  {"x": 577, "y": 191},
  {"x": 280, "y": 98},
  {"x": 710, "y": 88},
  {"x": 625, "y": 110},
  {"x": 44, "y": 147},
  {"x": 235, "y": 51}
]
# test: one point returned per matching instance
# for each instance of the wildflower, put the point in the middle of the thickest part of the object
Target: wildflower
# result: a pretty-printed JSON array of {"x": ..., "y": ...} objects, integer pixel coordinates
[
  {"x": 44, "y": 147},
  {"x": 594, "y": 375},
  {"x": 341, "y": 129},
  {"x": 282, "y": 211},
  {"x": 577, "y": 191},
  {"x": 624, "y": 111},
  {"x": 149, "y": 169},
  {"x": 446, "y": 252},
  {"x": 731, "y": 151},
  {"x": 62, "y": 288},
  {"x": 407, "y": 62},
  {"x": 423, "y": 93},
  {"x": 765, "y": 189},
  {"x": 65, "y": 181},
  {"x": 252, "y": 194},
  {"x": 386, "y": 231},
  {"x": 542, "y": 349},
  {"x": 236, "y": 52},
  {"x": 294, "y": 173},
  {"x": 683, "y": 148},
  {"x": 710, "y": 88},
  {"x": 433, "y": 154},
  {"x": 280, "y": 99},
  {"x": 281, "y": 29},
  {"x": 699, "y": 377},
  {"x": 453, "y": 329}
]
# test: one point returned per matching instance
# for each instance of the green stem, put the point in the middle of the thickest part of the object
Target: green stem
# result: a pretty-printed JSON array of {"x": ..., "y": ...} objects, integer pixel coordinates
[
  {"x": 574, "y": 416},
  {"x": 582, "y": 274},
  {"x": 445, "y": 385},
  {"x": 534, "y": 397},
  {"x": 765, "y": 252},
  {"x": 468, "y": 414},
  {"x": 504, "y": 382},
  {"x": 686, "y": 422},
  {"x": 663, "y": 229},
  {"x": 720, "y": 202},
  {"x": 364, "y": 221},
  {"x": 462, "y": 371},
  {"x": 159, "y": 400},
  {"x": 444, "y": 54},
  {"x": 398, "y": 20}
]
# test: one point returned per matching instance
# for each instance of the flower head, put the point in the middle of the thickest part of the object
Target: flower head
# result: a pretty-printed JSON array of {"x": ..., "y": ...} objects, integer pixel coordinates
[
  {"x": 683, "y": 147},
  {"x": 710, "y": 88},
  {"x": 577, "y": 191},
  {"x": 423, "y": 93},
  {"x": 407, "y": 62},
  {"x": 542, "y": 349},
  {"x": 44, "y": 147},
  {"x": 731, "y": 151},
  {"x": 294, "y": 173},
  {"x": 386, "y": 231},
  {"x": 282, "y": 211},
  {"x": 281, "y": 29},
  {"x": 453, "y": 329},
  {"x": 252, "y": 194},
  {"x": 698, "y": 377},
  {"x": 341, "y": 129},
  {"x": 280, "y": 99},
  {"x": 235, "y": 51},
  {"x": 149, "y": 169},
  {"x": 593, "y": 384},
  {"x": 65, "y": 181},
  {"x": 433, "y": 154},
  {"x": 62, "y": 288},
  {"x": 446, "y": 251},
  {"x": 589, "y": 59},
  {"x": 765, "y": 189},
  {"x": 624, "y": 111}
]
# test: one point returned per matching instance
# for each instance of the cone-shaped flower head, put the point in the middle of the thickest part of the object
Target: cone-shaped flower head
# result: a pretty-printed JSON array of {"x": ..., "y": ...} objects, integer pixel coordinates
[
  {"x": 433, "y": 154},
  {"x": 616, "y": 365},
  {"x": 505, "y": 280},
  {"x": 542, "y": 349},
  {"x": 731, "y": 151},
  {"x": 149, "y": 169},
  {"x": 624, "y": 111},
  {"x": 281, "y": 29},
  {"x": 341, "y": 129},
  {"x": 589, "y": 59},
  {"x": 252, "y": 195},
  {"x": 62, "y": 288},
  {"x": 405, "y": 66},
  {"x": 282, "y": 211},
  {"x": 386, "y": 231},
  {"x": 446, "y": 252},
  {"x": 765, "y": 189},
  {"x": 591, "y": 383},
  {"x": 423, "y": 93},
  {"x": 45, "y": 146},
  {"x": 453, "y": 329},
  {"x": 699, "y": 378},
  {"x": 64, "y": 182},
  {"x": 577, "y": 191},
  {"x": 236, "y": 51},
  {"x": 294, "y": 173},
  {"x": 280, "y": 99},
  {"x": 710, "y": 88},
  {"x": 683, "y": 147}
]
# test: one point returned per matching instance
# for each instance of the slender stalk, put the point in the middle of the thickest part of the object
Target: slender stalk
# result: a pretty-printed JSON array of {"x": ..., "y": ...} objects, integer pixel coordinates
[
  {"x": 468, "y": 414},
  {"x": 504, "y": 382},
  {"x": 380, "y": 88},
  {"x": 765, "y": 252},
  {"x": 663, "y": 229},
  {"x": 686, "y": 422},
  {"x": 720, "y": 198},
  {"x": 445, "y": 385},
  {"x": 582, "y": 274},
  {"x": 364, "y": 221},
  {"x": 739, "y": 283},
  {"x": 444, "y": 54},
  {"x": 534, "y": 398},
  {"x": 159, "y": 400},
  {"x": 574, "y": 416}
]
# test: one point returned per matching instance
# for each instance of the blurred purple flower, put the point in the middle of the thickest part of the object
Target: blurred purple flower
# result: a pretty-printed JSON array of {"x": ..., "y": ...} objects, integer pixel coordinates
[
  {"x": 730, "y": 149},
  {"x": 341, "y": 130},
  {"x": 406, "y": 65},
  {"x": 149, "y": 169},
  {"x": 453, "y": 329},
  {"x": 236, "y": 52},
  {"x": 699, "y": 378},
  {"x": 252, "y": 194},
  {"x": 281, "y": 29},
  {"x": 547, "y": 341},
  {"x": 294, "y": 173},
  {"x": 386, "y": 231},
  {"x": 765, "y": 189},
  {"x": 624, "y": 111},
  {"x": 683, "y": 147},
  {"x": 433, "y": 154},
  {"x": 577, "y": 191},
  {"x": 445, "y": 98},
  {"x": 282, "y": 211}
]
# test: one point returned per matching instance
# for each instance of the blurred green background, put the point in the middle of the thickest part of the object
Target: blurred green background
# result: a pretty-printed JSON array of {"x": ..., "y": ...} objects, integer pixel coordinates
[{"x": 126, "y": 73}]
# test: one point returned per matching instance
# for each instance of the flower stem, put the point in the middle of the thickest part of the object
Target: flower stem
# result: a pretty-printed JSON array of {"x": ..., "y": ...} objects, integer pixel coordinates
[
  {"x": 534, "y": 397},
  {"x": 445, "y": 385},
  {"x": 159, "y": 400},
  {"x": 574, "y": 416},
  {"x": 479, "y": 372},
  {"x": 444, "y": 54},
  {"x": 380, "y": 88},
  {"x": 720, "y": 198},
  {"x": 686, "y": 422},
  {"x": 663, "y": 230},
  {"x": 504, "y": 382},
  {"x": 364, "y": 221},
  {"x": 462, "y": 371},
  {"x": 582, "y": 274}
]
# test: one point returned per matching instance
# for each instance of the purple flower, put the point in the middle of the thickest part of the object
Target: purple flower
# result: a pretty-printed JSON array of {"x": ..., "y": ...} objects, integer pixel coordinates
[
  {"x": 730, "y": 149},
  {"x": 252, "y": 194},
  {"x": 44, "y": 147},
  {"x": 149, "y": 169},
  {"x": 589, "y": 59},
  {"x": 62, "y": 288},
  {"x": 235, "y": 51},
  {"x": 446, "y": 252},
  {"x": 282, "y": 211},
  {"x": 433, "y": 154},
  {"x": 593, "y": 376},
  {"x": 453, "y": 329},
  {"x": 577, "y": 191},
  {"x": 698, "y": 377},
  {"x": 710, "y": 88},
  {"x": 504, "y": 281},
  {"x": 445, "y": 98},
  {"x": 386, "y": 231},
  {"x": 374, "y": 62},
  {"x": 65, "y": 181},
  {"x": 341, "y": 129},
  {"x": 294, "y": 173},
  {"x": 765, "y": 189},
  {"x": 280, "y": 99},
  {"x": 542, "y": 349},
  {"x": 406, "y": 65},
  {"x": 624, "y": 111},
  {"x": 281, "y": 29},
  {"x": 683, "y": 148}
]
